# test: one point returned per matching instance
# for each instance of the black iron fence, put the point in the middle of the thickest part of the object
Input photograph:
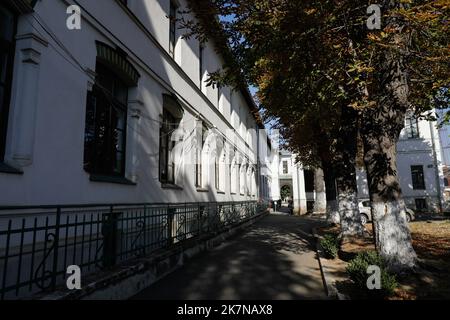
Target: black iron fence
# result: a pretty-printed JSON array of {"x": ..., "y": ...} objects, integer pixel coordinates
[{"x": 37, "y": 244}]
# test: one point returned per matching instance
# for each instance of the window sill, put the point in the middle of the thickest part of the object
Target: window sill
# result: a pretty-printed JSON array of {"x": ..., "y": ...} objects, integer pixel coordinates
[
  {"x": 171, "y": 186},
  {"x": 202, "y": 190},
  {"x": 111, "y": 179},
  {"x": 6, "y": 168},
  {"x": 233, "y": 193},
  {"x": 220, "y": 192}
]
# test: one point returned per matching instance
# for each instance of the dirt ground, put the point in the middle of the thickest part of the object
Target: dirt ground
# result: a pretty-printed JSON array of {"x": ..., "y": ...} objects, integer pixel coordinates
[{"x": 431, "y": 241}]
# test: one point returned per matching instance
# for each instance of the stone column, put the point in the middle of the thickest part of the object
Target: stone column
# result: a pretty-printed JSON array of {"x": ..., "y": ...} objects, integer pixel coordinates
[
  {"x": 25, "y": 98},
  {"x": 298, "y": 190}
]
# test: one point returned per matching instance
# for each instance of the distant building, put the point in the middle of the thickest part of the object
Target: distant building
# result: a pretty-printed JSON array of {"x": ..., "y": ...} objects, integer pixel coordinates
[
  {"x": 421, "y": 170},
  {"x": 420, "y": 167}
]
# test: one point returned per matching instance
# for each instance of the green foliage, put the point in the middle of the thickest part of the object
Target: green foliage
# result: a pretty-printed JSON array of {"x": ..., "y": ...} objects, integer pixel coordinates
[
  {"x": 330, "y": 246},
  {"x": 357, "y": 270}
]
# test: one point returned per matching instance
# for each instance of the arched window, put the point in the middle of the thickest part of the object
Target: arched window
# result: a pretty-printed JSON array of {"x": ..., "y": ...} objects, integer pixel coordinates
[
  {"x": 172, "y": 115},
  {"x": 253, "y": 179},
  {"x": 242, "y": 179},
  {"x": 233, "y": 177},
  {"x": 106, "y": 113},
  {"x": 198, "y": 156}
]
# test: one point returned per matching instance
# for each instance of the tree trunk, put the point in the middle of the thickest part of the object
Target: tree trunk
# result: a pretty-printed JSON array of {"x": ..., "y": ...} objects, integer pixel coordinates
[
  {"x": 331, "y": 195},
  {"x": 320, "y": 204},
  {"x": 349, "y": 215},
  {"x": 391, "y": 231},
  {"x": 347, "y": 187},
  {"x": 380, "y": 130}
]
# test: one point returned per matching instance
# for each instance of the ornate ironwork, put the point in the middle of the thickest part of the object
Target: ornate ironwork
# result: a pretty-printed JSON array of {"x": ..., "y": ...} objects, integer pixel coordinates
[
  {"x": 46, "y": 274},
  {"x": 139, "y": 250}
]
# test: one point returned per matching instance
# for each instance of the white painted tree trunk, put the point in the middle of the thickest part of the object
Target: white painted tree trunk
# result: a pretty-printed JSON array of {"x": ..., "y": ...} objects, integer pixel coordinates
[
  {"x": 320, "y": 203},
  {"x": 350, "y": 217},
  {"x": 392, "y": 235},
  {"x": 332, "y": 208},
  {"x": 333, "y": 212}
]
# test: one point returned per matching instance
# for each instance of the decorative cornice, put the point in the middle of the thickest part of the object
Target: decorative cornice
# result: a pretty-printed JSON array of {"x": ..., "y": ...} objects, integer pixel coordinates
[{"x": 32, "y": 36}]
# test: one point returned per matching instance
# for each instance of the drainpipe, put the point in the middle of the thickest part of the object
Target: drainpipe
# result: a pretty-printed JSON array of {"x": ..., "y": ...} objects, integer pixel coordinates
[{"x": 436, "y": 166}]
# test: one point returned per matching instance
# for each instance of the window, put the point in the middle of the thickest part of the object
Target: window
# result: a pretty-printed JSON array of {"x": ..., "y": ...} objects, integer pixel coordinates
[
  {"x": 172, "y": 114},
  {"x": 106, "y": 122},
  {"x": 234, "y": 178},
  {"x": 309, "y": 180},
  {"x": 411, "y": 127},
  {"x": 421, "y": 204},
  {"x": 242, "y": 179},
  {"x": 172, "y": 28},
  {"x": 219, "y": 99},
  {"x": 310, "y": 206},
  {"x": 7, "y": 48},
  {"x": 201, "y": 52},
  {"x": 285, "y": 167},
  {"x": 217, "y": 173},
  {"x": 198, "y": 160},
  {"x": 418, "y": 179},
  {"x": 106, "y": 113}
]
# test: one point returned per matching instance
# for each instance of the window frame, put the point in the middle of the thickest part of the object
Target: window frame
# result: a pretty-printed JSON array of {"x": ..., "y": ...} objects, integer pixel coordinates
[
  {"x": 424, "y": 202},
  {"x": 172, "y": 28},
  {"x": 412, "y": 127},
  {"x": 165, "y": 135},
  {"x": 418, "y": 185},
  {"x": 7, "y": 86},
  {"x": 285, "y": 167},
  {"x": 106, "y": 164}
]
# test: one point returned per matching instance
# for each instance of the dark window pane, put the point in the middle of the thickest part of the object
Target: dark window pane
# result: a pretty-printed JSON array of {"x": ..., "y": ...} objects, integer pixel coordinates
[
  {"x": 7, "y": 46},
  {"x": 3, "y": 66},
  {"x": 309, "y": 180},
  {"x": 417, "y": 177},
  {"x": 7, "y": 24},
  {"x": 106, "y": 116}
]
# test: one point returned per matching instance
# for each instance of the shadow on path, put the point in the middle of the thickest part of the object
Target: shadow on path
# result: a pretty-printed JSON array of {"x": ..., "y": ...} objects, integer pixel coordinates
[{"x": 273, "y": 259}]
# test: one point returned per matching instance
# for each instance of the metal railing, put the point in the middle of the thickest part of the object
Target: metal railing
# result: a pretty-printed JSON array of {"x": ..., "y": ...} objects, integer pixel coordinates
[{"x": 37, "y": 244}]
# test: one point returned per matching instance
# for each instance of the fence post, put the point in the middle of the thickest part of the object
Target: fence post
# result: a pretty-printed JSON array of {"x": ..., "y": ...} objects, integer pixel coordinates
[
  {"x": 109, "y": 238},
  {"x": 170, "y": 218},
  {"x": 199, "y": 219},
  {"x": 56, "y": 246}
]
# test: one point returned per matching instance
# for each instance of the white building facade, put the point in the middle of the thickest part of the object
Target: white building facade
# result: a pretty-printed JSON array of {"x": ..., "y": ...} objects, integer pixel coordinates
[
  {"x": 420, "y": 167},
  {"x": 119, "y": 111}
]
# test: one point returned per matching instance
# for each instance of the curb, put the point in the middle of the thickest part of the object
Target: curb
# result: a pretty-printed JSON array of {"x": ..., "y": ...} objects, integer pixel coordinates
[{"x": 331, "y": 289}]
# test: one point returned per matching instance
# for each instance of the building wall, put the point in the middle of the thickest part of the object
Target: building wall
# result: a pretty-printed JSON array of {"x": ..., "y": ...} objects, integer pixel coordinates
[
  {"x": 424, "y": 151},
  {"x": 47, "y": 144}
]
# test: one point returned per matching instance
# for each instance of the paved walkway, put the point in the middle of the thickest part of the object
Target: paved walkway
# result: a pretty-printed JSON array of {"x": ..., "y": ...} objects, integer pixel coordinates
[{"x": 273, "y": 259}]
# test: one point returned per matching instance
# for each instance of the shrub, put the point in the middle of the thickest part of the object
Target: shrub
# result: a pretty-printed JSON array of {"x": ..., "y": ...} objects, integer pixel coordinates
[
  {"x": 357, "y": 270},
  {"x": 330, "y": 246}
]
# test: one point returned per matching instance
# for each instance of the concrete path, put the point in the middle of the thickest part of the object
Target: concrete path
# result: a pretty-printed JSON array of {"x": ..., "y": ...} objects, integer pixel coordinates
[{"x": 273, "y": 259}]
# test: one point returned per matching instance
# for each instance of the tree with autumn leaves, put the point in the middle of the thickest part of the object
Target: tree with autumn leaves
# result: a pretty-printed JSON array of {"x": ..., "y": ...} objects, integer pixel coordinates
[{"x": 329, "y": 80}]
